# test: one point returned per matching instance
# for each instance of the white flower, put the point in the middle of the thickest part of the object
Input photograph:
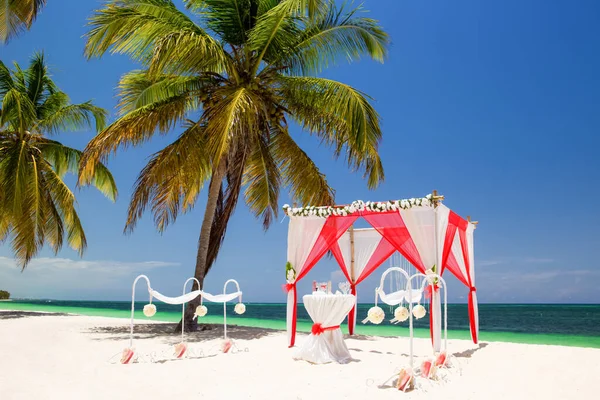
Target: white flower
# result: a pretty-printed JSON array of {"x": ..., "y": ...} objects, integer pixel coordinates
[
  {"x": 429, "y": 196},
  {"x": 201, "y": 311},
  {"x": 290, "y": 275},
  {"x": 401, "y": 314},
  {"x": 149, "y": 310},
  {"x": 411, "y": 201},
  {"x": 239, "y": 308},
  {"x": 425, "y": 202},
  {"x": 375, "y": 315},
  {"x": 419, "y": 311},
  {"x": 286, "y": 206}
]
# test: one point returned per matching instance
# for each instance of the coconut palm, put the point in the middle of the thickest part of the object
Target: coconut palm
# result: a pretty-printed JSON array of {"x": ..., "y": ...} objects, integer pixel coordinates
[
  {"x": 16, "y": 16},
  {"x": 234, "y": 81},
  {"x": 36, "y": 206}
]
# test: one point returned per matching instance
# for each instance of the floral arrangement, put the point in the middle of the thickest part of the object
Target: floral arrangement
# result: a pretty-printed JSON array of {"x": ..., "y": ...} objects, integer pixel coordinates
[
  {"x": 226, "y": 345},
  {"x": 401, "y": 314},
  {"x": 433, "y": 280},
  {"x": 290, "y": 273},
  {"x": 239, "y": 308},
  {"x": 201, "y": 311},
  {"x": 149, "y": 310},
  {"x": 375, "y": 315},
  {"x": 180, "y": 350},
  {"x": 127, "y": 356},
  {"x": 419, "y": 311},
  {"x": 358, "y": 206},
  {"x": 405, "y": 380}
]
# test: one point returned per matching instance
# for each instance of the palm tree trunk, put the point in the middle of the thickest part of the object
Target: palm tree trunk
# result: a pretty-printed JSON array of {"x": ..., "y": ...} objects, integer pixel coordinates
[{"x": 214, "y": 187}]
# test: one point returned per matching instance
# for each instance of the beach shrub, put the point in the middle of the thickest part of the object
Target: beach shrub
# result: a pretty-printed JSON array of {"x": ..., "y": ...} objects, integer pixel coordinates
[{"x": 4, "y": 295}]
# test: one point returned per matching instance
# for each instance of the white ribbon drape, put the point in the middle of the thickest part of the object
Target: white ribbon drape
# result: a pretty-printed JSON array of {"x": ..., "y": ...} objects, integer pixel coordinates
[{"x": 218, "y": 298}]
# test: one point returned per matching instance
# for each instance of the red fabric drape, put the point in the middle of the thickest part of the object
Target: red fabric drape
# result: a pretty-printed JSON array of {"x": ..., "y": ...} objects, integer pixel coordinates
[
  {"x": 391, "y": 226},
  {"x": 458, "y": 225},
  {"x": 334, "y": 227}
]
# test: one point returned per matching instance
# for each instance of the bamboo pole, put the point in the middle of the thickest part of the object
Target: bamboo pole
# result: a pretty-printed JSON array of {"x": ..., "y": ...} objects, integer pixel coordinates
[
  {"x": 472, "y": 222},
  {"x": 436, "y": 198}
]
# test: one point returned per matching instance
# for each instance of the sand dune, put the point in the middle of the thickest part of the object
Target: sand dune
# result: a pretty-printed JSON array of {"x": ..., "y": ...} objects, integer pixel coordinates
[{"x": 46, "y": 356}]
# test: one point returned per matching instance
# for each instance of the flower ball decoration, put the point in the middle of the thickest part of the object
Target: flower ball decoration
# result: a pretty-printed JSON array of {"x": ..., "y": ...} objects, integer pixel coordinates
[
  {"x": 375, "y": 315},
  {"x": 401, "y": 314},
  {"x": 419, "y": 311},
  {"x": 149, "y": 310},
  {"x": 239, "y": 308},
  {"x": 201, "y": 311}
]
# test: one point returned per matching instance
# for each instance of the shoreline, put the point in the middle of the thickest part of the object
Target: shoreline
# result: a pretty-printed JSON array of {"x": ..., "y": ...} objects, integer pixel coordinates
[{"x": 579, "y": 341}]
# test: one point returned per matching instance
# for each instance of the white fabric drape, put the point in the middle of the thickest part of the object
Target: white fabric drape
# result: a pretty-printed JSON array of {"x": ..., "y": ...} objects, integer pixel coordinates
[
  {"x": 400, "y": 296},
  {"x": 219, "y": 298},
  {"x": 421, "y": 224},
  {"x": 365, "y": 244},
  {"x": 303, "y": 232},
  {"x": 470, "y": 245},
  {"x": 329, "y": 346}
]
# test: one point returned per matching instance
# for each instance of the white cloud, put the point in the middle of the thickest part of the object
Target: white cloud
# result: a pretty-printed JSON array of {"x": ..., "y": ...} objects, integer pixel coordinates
[{"x": 47, "y": 277}]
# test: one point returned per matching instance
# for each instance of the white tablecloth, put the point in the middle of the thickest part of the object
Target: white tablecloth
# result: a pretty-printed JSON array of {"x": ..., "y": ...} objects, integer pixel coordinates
[{"x": 329, "y": 346}]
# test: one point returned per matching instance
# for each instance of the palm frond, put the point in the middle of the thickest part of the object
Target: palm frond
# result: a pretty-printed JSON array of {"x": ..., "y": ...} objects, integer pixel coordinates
[
  {"x": 65, "y": 203},
  {"x": 6, "y": 80},
  {"x": 333, "y": 35},
  {"x": 17, "y": 109},
  {"x": 153, "y": 32},
  {"x": 22, "y": 185},
  {"x": 66, "y": 159},
  {"x": 133, "y": 129},
  {"x": 72, "y": 118},
  {"x": 233, "y": 116},
  {"x": 262, "y": 182},
  {"x": 171, "y": 181},
  {"x": 340, "y": 115},
  {"x": 138, "y": 89},
  {"x": 36, "y": 78},
  {"x": 17, "y": 16},
  {"x": 307, "y": 184}
]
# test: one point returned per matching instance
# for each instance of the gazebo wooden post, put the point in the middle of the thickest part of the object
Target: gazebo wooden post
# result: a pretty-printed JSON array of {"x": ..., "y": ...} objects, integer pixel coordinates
[{"x": 436, "y": 306}]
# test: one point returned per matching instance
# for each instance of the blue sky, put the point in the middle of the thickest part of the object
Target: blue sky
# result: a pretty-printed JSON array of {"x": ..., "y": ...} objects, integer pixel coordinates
[{"x": 494, "y": 104}]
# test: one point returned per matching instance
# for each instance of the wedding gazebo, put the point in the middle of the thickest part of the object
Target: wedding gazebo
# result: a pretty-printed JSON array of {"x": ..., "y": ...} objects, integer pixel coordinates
[{"x": 423, "y": 230}]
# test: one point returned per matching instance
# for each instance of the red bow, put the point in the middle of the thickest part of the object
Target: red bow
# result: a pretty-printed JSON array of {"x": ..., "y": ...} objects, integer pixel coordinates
[
  {"x": 318, "y": 329},
  {"x": 473, "y": 289},
  {"x": 287, "y": 287},
  {"x": 428, "y": 290}
]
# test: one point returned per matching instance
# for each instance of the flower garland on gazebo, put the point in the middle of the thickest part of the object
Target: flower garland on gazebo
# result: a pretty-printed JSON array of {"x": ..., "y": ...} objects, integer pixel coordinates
[{"x": 358, "y": 206}]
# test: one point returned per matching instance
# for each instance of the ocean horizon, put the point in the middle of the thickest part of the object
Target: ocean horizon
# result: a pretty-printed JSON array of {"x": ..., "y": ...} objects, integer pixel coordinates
[{"x": 550, "y": 324}]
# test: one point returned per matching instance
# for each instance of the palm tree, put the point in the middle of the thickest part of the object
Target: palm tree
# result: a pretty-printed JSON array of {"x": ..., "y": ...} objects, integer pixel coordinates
[
  {"x": 16, "y": 16},
  {"x": 233, "y": 82},
  {"x": 36, "y": 206}
]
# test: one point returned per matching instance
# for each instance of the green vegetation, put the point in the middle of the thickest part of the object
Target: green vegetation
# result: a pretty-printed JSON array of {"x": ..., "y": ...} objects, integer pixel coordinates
[
  {"x": 36, "y": 206},
  {"x": 17, "y": 16},
  {"x": 234, "y": 81},
  {"x": 4, "y": 295}
]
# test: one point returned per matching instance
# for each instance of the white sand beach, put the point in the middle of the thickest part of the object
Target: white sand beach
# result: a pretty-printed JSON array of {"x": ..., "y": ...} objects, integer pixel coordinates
[{"x": 45, "y": 356}]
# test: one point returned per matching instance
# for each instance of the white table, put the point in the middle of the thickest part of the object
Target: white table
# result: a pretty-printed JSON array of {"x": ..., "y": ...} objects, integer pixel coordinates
[{"x": 326, "y": 343}]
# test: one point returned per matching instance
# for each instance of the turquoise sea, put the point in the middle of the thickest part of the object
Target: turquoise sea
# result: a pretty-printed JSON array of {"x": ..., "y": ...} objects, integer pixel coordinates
[{"x": 557, "y": 324}]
